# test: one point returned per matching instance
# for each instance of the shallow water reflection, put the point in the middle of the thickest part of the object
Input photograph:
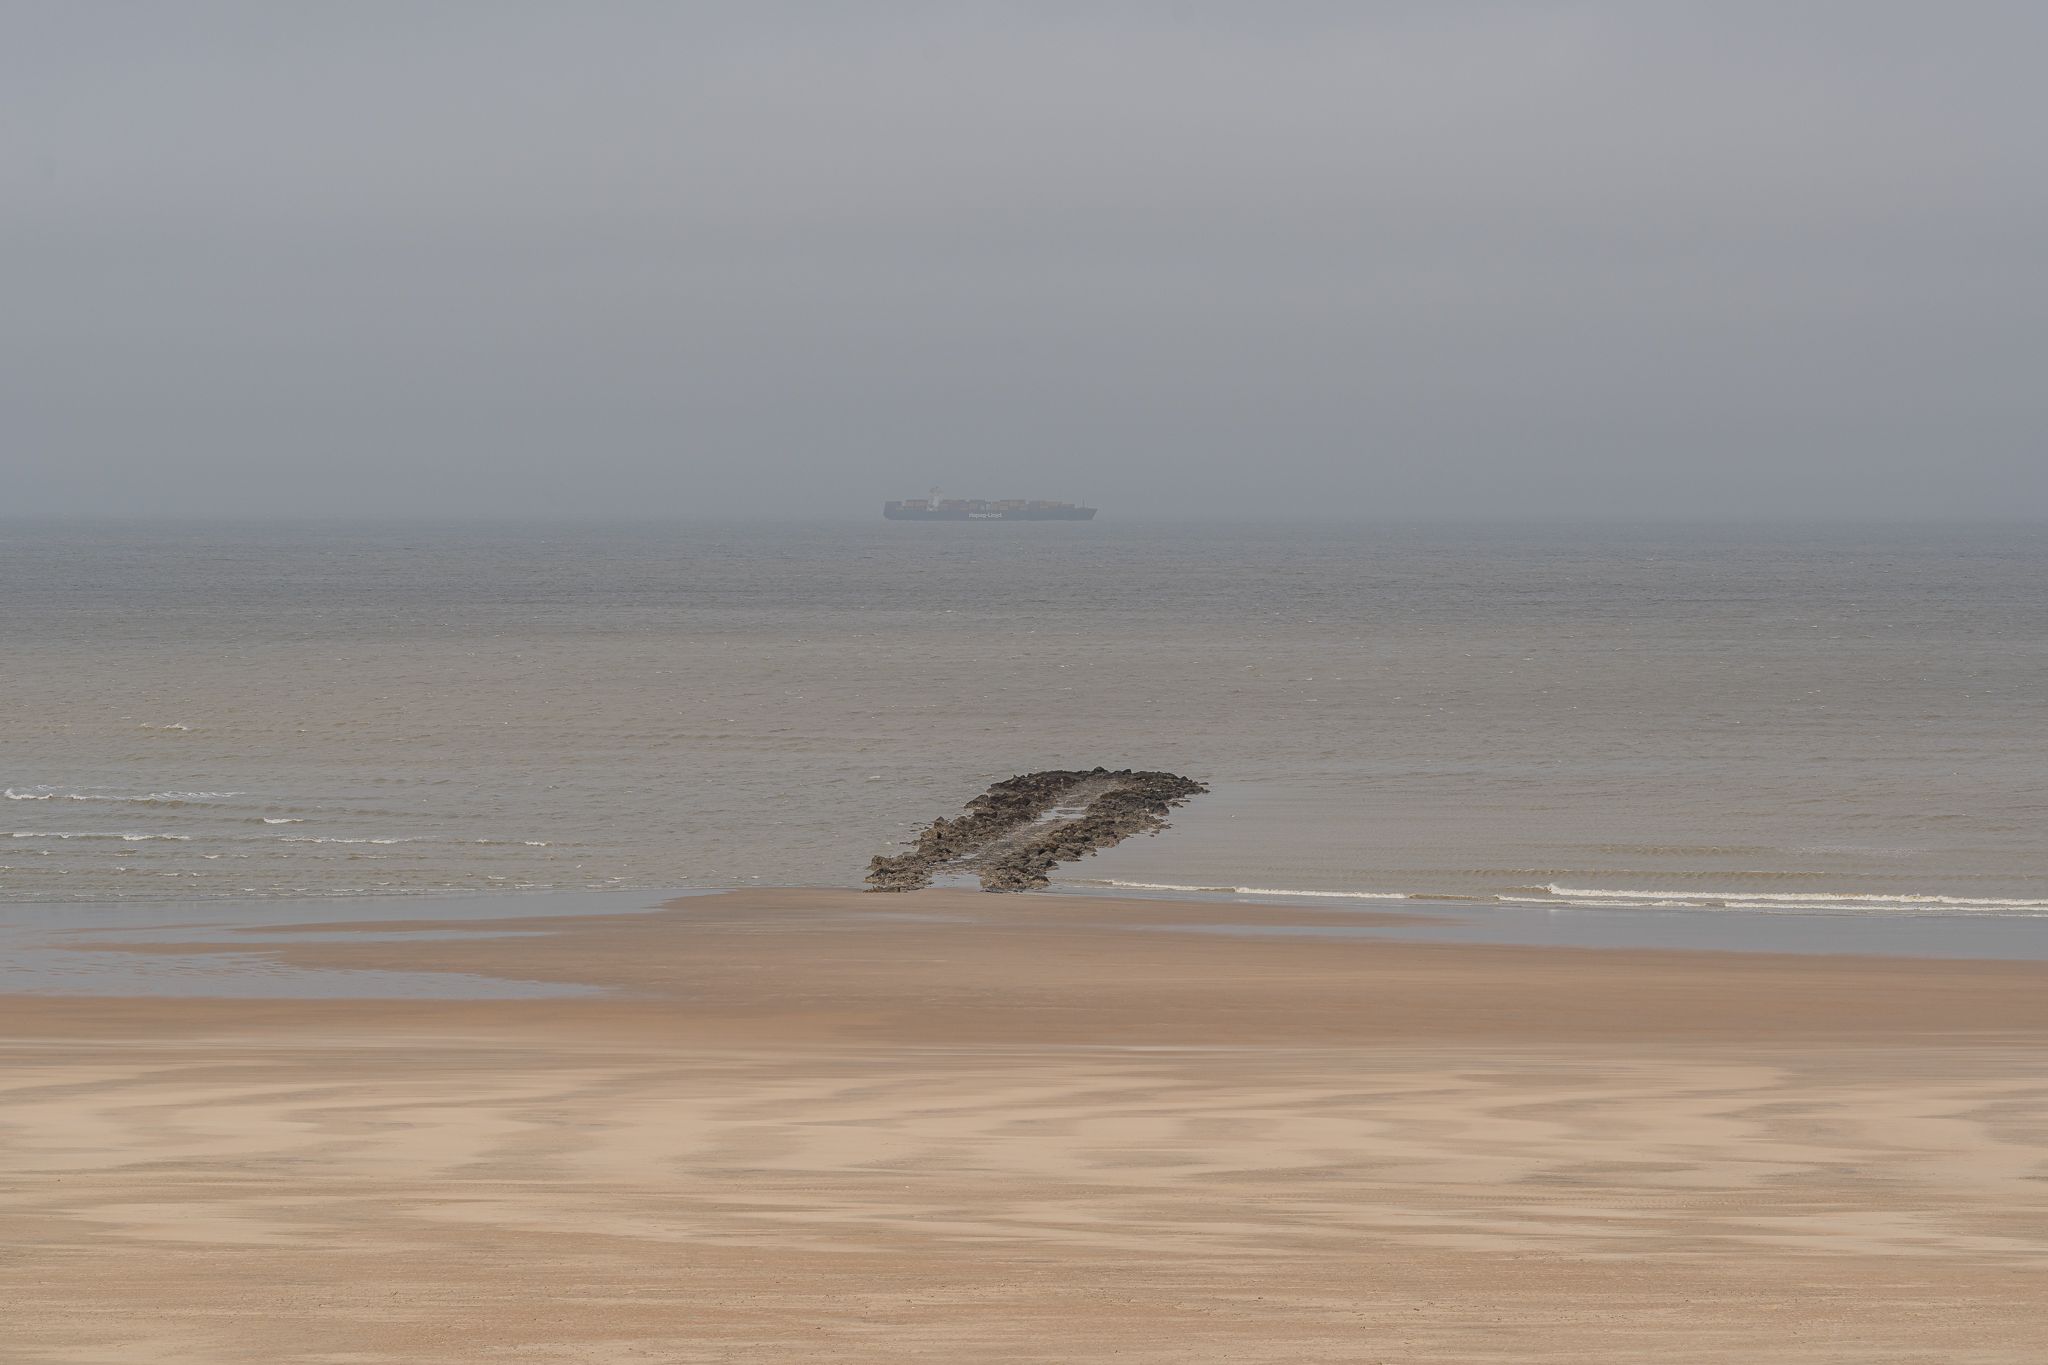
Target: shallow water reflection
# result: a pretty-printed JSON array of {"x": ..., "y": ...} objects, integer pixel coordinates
[
  {"x": 2011, "y": 937},
  {"x": 71, "y": 949}
]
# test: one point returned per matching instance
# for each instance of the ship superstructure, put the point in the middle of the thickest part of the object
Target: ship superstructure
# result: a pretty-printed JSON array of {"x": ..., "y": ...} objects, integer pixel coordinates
[{"x": 939, "y": 508}]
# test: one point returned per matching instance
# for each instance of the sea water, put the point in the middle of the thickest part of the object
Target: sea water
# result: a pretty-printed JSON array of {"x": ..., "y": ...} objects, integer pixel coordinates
[{"x": 1766, "y": 719}]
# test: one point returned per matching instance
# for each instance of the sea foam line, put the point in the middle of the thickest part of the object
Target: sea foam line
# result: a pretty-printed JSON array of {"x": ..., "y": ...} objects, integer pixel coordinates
[
  {"x": 1763, "y": 898},
  {"x": 1254, "y": 891},
  {"x": 1818, "y": 902},
  {"x": 151, "y": 799},
  {"x": 94, "y": 834},
  {"x": 273, "y": 839}
]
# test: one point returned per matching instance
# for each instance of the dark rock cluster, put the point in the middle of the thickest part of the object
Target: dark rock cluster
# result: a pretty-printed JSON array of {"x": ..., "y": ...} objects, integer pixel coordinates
[{"x": 1005, "y": 839}]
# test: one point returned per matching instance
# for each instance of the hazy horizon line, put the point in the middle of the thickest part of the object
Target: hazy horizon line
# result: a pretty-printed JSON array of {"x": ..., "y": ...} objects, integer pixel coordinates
[{"x": 1134, "y": 518}]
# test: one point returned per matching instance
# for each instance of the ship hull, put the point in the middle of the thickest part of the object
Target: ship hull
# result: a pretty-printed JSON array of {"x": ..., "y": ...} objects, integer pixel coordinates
[{"x": 894, "y": 513}]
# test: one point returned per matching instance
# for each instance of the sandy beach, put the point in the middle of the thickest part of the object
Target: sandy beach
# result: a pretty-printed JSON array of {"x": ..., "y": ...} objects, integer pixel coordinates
[
  {"x": 1470, "y": 575},
  {"x": 947, "y": 1126}
]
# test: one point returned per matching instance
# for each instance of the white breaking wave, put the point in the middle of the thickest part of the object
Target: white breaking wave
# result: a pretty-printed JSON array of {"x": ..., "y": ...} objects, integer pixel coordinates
[
  {"x": 1334, "y": 895},
  {"x": 252, "y": 838},
  {"x": 1782, "y": 902},
  {"x": 155, "y": 797},
  {"x": 1255, "y": 891},
  {"x": 95, "y": 834},
  {"x": 417, "y": 839},
  {"x": 288, "y": 820},
  {"x": 1662, "y": 902},
  {"x": 150, "y": 799},
  {"x": 1763, "y": 899}
]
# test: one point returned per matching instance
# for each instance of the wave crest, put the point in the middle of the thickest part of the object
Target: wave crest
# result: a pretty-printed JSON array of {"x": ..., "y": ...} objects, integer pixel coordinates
[
  {"x": 1601, "y": 898},
  {"x": 1252, "y": 891},
  {"x": 1760, "y": 899},
  {"x": 125, "y": 838}
]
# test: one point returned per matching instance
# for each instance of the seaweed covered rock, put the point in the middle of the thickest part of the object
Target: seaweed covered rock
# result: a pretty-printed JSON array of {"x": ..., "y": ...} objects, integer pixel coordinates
[{"x": 1016, "y": 832}]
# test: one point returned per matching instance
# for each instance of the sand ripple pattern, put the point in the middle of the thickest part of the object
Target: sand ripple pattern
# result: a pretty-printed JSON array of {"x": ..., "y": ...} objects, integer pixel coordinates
[{"x": 606, "y": 1183}]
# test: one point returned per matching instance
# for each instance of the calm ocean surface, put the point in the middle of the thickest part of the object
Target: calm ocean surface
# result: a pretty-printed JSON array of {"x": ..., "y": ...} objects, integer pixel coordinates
[{"x": 1772, "y": 718}]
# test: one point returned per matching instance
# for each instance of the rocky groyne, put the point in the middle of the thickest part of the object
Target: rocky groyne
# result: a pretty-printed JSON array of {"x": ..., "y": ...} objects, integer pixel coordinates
[{"x": 1020, "y": 829}]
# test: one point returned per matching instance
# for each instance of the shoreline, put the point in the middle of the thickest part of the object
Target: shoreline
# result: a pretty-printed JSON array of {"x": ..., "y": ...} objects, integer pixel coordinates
[
  {"x": 262, "y": 948},
  {"x": 654, "y": 954},
  {"x": 813, "y": 1125}
]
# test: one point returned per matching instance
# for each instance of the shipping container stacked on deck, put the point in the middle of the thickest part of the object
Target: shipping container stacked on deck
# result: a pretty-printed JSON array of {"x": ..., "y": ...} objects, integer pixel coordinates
[{"x": 983, "y": 509}]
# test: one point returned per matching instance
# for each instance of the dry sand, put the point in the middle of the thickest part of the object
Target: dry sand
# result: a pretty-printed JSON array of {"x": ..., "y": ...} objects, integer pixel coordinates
[{"x": 985, "y": 1128}]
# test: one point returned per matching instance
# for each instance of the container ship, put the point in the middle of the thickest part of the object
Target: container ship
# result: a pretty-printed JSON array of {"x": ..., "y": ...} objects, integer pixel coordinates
[{"x": 936, "y": 508}]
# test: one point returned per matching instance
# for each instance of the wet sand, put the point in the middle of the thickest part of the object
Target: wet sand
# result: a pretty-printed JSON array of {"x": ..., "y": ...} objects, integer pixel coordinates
[{"x": 964, "y": 1127}]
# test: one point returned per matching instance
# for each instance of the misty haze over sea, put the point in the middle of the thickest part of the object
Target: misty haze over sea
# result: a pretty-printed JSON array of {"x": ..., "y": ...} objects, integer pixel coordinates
[
  {"x": 1354, "y": 261},
  {"x": 1763, "y": 716},
  {"x": 1556, "y": 275},
  {"x": 1488, "y": 582}
]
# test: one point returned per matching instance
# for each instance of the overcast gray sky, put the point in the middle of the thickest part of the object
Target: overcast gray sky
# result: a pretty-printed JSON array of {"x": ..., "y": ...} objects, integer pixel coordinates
[{"x": 1407, "y": 258}]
